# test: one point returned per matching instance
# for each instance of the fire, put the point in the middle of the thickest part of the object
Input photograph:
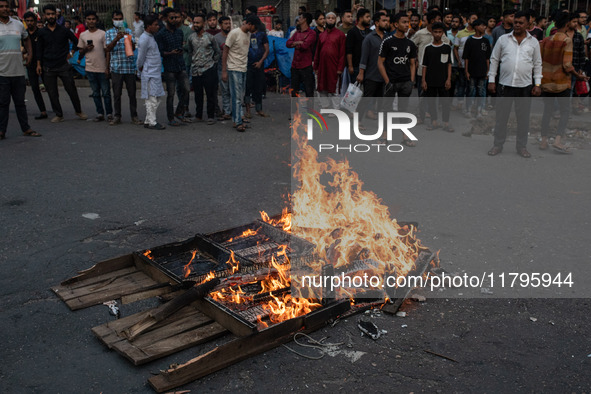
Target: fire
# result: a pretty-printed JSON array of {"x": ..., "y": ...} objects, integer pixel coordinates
[
  {"x": 233, "y": 262},
  {"x": 284, "y": 221},
  {"x": 148, "y": 254},
  {"x": 187, "y": 268},
  {"x": 247, "y": 233},
  {"x": 344, "y": 221}
]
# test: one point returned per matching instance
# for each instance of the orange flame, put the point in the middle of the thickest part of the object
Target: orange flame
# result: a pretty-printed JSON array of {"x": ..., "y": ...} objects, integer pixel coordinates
[{"x": 187, "y": 268}]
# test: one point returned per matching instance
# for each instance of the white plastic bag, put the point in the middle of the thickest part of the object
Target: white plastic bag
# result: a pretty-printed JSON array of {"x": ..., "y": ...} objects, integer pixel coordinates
[{"x": 351, "y": 99}]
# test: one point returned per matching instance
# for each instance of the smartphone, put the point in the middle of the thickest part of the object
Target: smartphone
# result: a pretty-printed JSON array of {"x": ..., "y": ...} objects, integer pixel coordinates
[{"x": 88, "y": 42}]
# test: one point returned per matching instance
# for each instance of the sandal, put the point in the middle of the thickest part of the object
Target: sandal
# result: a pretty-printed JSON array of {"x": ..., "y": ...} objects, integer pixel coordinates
[
  {"x": 523, "y": 153},
  {"x": 262, "y": 114},
  {"x": 409, "y": 143},
  {"x": 30, "y": 133},
  {"x": 433, "y": 126},
  {"x": 241, "y": 128},
  {"x": 562, "y": 149},
  {"x": 543, "y": 145}
]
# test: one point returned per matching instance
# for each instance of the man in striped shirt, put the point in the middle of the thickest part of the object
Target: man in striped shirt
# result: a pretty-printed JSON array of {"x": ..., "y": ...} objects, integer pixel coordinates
[{"x": 12, "y": 71}]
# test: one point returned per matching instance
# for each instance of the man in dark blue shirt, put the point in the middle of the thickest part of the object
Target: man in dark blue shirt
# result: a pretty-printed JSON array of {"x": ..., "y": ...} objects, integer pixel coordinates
[
  {"x": 255, "y": 74},
  {"x": 170, "y": 44}
]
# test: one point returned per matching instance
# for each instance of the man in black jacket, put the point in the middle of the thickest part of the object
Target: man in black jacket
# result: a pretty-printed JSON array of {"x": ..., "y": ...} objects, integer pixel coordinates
[{"x": 52, "y": 61}]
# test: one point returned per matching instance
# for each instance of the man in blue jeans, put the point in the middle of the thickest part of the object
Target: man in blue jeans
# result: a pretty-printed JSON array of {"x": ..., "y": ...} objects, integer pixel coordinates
[
  {"x": 170, "y": 44},
  {"x": 220, "y": 38},
  {"x": 92, "y": 45},
  {"x": 235, "y": 65},
  {"x": 12, "y": 71}
]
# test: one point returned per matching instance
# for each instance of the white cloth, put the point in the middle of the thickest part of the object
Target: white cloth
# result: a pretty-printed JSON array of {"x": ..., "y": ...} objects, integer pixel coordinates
[
  {"x": 517, "y": 61},
  {"x": 138, "y": 28},
  {"x": 152, "y": 104},
  {"x": 149, "y": 61}
]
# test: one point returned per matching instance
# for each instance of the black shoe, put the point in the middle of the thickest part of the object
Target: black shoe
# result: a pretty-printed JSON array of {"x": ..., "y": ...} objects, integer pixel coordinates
[
  {"x": 41, "y": 116},
  {"x": 157, "y": 126}
]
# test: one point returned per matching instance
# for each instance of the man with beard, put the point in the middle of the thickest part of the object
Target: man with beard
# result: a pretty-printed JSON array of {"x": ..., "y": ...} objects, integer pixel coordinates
[
  {"x": 204, "y": 52},
  {"x": 447, "y": 18},
  {"x": 122, "y": 69},
  {"x": 92, "y": 45},
  {"x": 12, "y": 72},
  {"x": 369, "y": 72},
  {"x": 346, "y": 22},
  {"x": 53, "y": 47},
  {"x": 212, "y": 23},
  {"x": 303, "y": 40},
  {"x": 235, "y": 65},
  {"x": 329, "y": 61},
  {"x": 31, "y": 21},
  {"x": 397, "y": 63},
  {"x": 354, "y": 42},
  {"x": 220, "y": 38},
  {"x": 170, "y": 43},
  {"x": 505, "y": 27},
  {"x": 414, "y": 25}
]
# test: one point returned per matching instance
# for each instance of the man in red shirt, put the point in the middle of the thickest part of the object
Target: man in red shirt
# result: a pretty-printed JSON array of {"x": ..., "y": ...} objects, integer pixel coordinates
[
  {"x": 303, "y": 40},
  {"x": 80, "y": 28}
]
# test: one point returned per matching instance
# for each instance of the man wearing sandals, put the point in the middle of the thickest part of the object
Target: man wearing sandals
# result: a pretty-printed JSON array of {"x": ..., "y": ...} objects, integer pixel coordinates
[
  {"x": 235, "y": 65},
  {"x": 557, "y": 67},
  {"x": 519, "y": 52},
  {"x": 12, "y": 71}
]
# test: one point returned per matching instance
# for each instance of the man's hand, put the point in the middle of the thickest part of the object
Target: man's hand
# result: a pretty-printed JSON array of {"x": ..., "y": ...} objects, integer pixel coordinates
[
  {"x": 467, "y": 75},
  {"x": 492, "y": 87},
  {"x": 29, "y": 58},
  {"x": 536, "y": 91},
  {"x": 224, "y": 76},
  {"x": 448, "y": 84},
  {"x": 360, "y": 76},
  {"x": 339, "y": 72},
  {"x": 39, "y": 70},
  {"x": 424, "y": 86},
  {"x": 258, "y": 64},
  {"x": 88, "y": 48},
  {"x": 119, "y": 36},
  {"x": 351, "y": 69}
]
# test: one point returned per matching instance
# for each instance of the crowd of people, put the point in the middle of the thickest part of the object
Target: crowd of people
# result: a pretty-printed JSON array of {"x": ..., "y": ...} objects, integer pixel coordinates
[{"x": 462, "y": 58}]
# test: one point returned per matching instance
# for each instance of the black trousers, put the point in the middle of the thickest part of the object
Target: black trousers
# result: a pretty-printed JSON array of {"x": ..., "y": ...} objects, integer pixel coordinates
[
  {"x": 370, "y": 89},
  {"x": 14, "y": 87},
  {"x": 305, "y": 75},
  {"x": 34, "y": 82},
  {"x": 65, "y": 74},
  {"x": 431, "y": 96},
  {"x": 208, "y": 81},
  {"x": 118, "y": 80},
  {"x": 505, "y": 99},
  {"x": 255, "y": 86}
]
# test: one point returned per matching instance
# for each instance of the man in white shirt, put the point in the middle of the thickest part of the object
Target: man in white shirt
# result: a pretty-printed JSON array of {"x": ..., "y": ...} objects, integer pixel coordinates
[
  {"x": 519, "y": 52},
  {"x": 138, "y": 25}
]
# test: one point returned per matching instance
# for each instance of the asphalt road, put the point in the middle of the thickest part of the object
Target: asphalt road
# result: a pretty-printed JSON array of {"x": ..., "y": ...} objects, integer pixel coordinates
[{"x": 150, "y": 188}]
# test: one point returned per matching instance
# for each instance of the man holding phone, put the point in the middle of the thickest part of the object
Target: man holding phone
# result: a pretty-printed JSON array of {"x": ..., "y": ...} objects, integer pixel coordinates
[
  {"x": 92, "y": 46},
  {"x": 170, "y": 43}
]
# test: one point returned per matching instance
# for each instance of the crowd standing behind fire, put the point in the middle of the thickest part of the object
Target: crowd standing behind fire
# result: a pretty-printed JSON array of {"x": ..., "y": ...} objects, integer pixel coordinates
[{"x": 467, "y": 57}]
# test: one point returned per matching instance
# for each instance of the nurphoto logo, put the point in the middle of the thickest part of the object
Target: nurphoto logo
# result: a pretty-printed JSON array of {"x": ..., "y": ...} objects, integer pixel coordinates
[{"x": 374, "y": 141}]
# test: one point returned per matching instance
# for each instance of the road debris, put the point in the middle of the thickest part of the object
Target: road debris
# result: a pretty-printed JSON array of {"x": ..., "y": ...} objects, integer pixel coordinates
[
  {"x": 370, "y": 329},
  {"x": 113, "y": 308}
]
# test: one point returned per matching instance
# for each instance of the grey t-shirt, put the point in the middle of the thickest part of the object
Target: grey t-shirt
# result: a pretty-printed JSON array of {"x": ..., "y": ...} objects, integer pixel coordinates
[{"x": 220, "y": 38}]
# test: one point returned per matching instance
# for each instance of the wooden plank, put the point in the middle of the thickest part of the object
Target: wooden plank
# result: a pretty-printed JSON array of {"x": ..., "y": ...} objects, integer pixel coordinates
[
  {"x": 165, "y": 288},
  {"x": 152, "y": 271},
  {"x": 243, "y": 348},
  {"x": 99, "y": 279},
  {"x": 110, "y": 333},
  {"x": 163, "y": 311},
  {"x": 116, "y": 282},
  {"x": 143, "y": 284},
  {"x": 234, "y": 325},
  {"x": 101, "y": 268},
  {"x": 226, "y": 355},
  {"x": 397, "y": 296},
  {"x": 138, "y": 355},
  {"x": 172, "y": 329}
]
